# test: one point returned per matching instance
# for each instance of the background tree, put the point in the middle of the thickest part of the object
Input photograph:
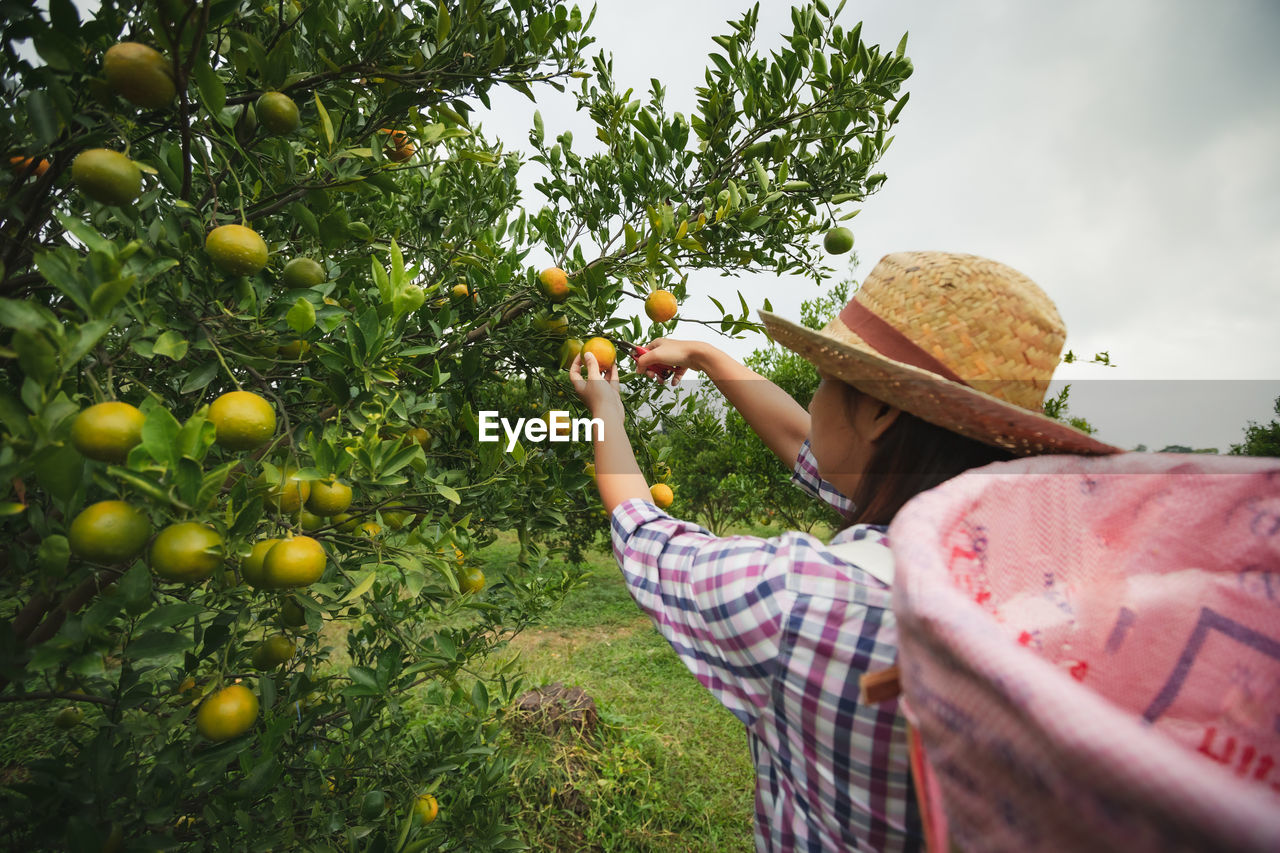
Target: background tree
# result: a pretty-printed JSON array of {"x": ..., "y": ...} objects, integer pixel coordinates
[
  {"x": 292, "y": 201},
  {"x": 1259, "y": 439}
]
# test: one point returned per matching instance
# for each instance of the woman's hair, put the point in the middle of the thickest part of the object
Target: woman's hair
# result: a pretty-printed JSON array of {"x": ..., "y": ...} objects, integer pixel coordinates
[{"x": 913, "y": 456}]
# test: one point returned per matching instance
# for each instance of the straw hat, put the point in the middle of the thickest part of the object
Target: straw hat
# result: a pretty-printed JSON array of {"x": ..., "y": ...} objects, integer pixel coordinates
[{"x": 965, "y": 343}]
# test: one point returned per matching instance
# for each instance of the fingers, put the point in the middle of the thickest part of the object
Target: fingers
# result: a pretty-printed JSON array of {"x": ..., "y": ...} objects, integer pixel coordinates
[{"x": 575, "y": 375}]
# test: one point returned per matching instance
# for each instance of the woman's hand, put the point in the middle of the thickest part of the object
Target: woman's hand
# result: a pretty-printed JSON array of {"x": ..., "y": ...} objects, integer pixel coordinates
[
  {"x": 678, "y": 355},
  {"x": 600, "y": 392}
]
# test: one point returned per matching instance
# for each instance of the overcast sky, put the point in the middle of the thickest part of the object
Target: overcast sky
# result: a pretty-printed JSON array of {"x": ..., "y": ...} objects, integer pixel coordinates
[{"x": 1125, "y": 155}]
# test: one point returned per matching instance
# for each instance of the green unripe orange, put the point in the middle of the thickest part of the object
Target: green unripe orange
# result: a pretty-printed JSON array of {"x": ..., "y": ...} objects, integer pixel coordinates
[
  {"x": 329, "y": 498},
  {"x": 107, "y": 176},
  {"x": 109, "y": 532},
  {"x": 251, "y": 568},
  {"x": 236, "y": 250},
  {"x": 107, "y": 431},
  {"x": 139, "y": 74},
  {"x": 228, "y": 713},
  {"x": 242, "y": 420},
  {"x": 278, "y": 113},
  {"x": 294, "y": 562},
  {"x": 303, "y": 272},
  {"x": 838, "y": 241},
  {"x": 186, "y": 551}
]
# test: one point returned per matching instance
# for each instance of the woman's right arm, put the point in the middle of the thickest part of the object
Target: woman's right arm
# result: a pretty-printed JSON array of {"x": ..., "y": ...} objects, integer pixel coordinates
[{"x": 781, "y": 422}]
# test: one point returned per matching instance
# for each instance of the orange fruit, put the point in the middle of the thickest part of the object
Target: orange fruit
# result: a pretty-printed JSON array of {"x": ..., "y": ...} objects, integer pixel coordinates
[
  {"x": 590, "y": 469},
  {"x": 400, "y": 153},
  {"x": 228, "y": 713},
  {"x": 604, "y": 351},
  {"x": 662, "y": 495},
  {"x": 425, "y": 808},
  {"x": 243, "y": 420},
  {"x": 278, "y": 113},
  {"x": 370, "y": 529},
  {"x": 554, "y": 284},
  {"x": 251, "y": 566},
  {"x": 421, "y": 436},
  {"x": 287, "y": 494},
  {"x": 273, "y": 651},
  {"x": 107, "y": 431},
  {"x": 302, "y": 273},
  {"x": 107, "y": 176},
  {"x": 292, "y": 614},
  {"x": 236, "y": 250},
  {"x": 109, "y": 532},
  {"x": 553, "y": 324},
  {"x": 186, "y": 551},
  {"x": 838, "y": 241},
  {"x": 293, "y": 350},
  {"x": 569, "y": 351},
  {"x": 69, "y": 718},
  {"x": 401, "y": 147},
  {"x": 395, "y": 519},
  {"x": 660, "y": 305},
  {"x": 298, "y": 561},
  {"x": 20, "y": 165},
  {"x": 471, "y": 579},
  {"x": 329, "y": 498},
  {"x": 308, "y": 520},
  {"x": 345, "y": 522},
  {"x": 139, "y": 74}
]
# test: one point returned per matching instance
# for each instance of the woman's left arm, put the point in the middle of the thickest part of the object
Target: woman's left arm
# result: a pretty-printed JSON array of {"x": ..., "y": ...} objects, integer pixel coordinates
[{"x": 618, "y": 476}]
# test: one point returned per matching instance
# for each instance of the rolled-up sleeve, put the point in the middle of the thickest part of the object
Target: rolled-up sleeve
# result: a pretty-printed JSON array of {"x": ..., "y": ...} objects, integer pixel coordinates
[
  {"x": 722, "y": 603},
  {"x": 804, "y": 474}
]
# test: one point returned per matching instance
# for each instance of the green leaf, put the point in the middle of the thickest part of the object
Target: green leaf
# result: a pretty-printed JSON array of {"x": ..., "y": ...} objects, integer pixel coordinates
[
  {"x": 160, "y": 435},
  {"x": 86, "y": 338},
  {"x": 43, "y": 119},
  {"x": 302, "y": 316},
  {"x": 897, "y": 108},
  {"x": 448, "y": 493},
  {"x": 212, "y": 92},
  {"x": 365, "y": 584},
  {"x": 158, "y": 644},
  {"x": 20, "y": 315},
  {"x": 200, "y": 377},
  {"x": 106, "y": 295},
  {"x": 443, "y": 23},
  {"x": 172, "y": 345},
  {"x": 168, "y": 615},
  {"x": 326, "y": 126}
]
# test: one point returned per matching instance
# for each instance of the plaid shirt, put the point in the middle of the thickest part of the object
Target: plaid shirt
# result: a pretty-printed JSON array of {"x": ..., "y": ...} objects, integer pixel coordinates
[{"x": 780, "y": 631}]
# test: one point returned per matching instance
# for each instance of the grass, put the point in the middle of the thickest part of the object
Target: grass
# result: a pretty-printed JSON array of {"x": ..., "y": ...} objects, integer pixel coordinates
[{"x": 668, "y": 768}]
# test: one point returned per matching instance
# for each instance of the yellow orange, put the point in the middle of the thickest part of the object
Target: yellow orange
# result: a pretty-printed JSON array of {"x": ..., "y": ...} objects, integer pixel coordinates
[
  {"x": 604, "y": 351},
  {"x": 660, "y": 306},
  {"x": 554, "y": 284}
]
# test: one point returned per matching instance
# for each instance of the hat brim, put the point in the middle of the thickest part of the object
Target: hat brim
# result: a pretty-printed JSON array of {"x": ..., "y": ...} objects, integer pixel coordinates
[{"x": 960, "y": 408}]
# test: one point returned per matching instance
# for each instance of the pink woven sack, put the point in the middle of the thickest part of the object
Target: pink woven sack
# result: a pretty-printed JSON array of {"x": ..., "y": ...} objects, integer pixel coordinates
[{"x": 1090, "y": 653}]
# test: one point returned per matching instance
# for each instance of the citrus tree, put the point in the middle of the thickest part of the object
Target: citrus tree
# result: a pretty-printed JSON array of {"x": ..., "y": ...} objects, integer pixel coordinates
[{"x": 260, "y": 270}]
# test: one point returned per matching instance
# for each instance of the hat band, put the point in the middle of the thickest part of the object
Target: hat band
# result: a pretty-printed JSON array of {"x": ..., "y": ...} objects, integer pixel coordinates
[{"x": 891, "y": 343}]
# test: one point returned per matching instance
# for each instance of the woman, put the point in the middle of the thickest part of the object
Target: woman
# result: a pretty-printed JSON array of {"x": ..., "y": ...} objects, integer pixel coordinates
[{"x": 939, "y": 364}]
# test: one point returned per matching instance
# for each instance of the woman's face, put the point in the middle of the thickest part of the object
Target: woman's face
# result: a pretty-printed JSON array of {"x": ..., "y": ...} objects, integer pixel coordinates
[{"x": 844, "y": 425}]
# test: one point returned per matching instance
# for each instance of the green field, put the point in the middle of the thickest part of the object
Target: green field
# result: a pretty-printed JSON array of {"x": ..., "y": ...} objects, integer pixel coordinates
[{"x": 668, "y": 767}]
